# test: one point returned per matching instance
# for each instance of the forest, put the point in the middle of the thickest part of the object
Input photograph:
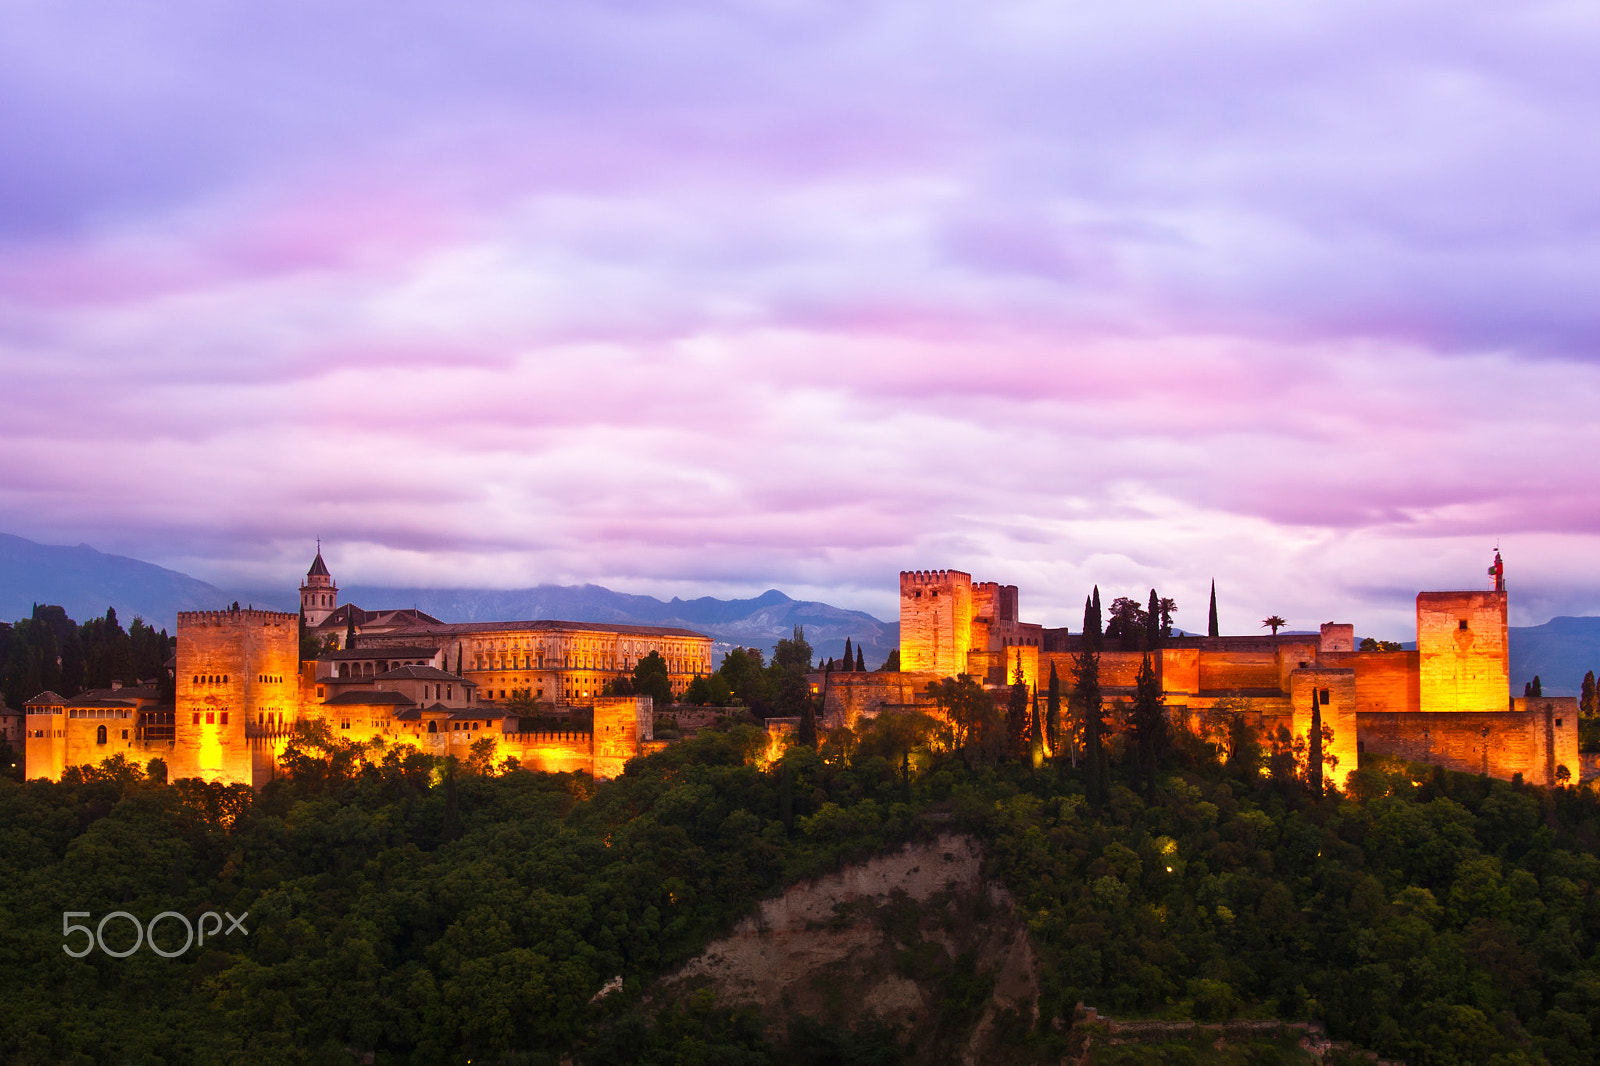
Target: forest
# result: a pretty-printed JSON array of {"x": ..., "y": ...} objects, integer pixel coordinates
[{"x": 421, "y": 911}]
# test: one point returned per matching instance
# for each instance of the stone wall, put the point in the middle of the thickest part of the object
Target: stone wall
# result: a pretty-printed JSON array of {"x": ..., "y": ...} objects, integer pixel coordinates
[
  {"x": 1386, "y": 681},
  {"x": 854, "y": 696}
]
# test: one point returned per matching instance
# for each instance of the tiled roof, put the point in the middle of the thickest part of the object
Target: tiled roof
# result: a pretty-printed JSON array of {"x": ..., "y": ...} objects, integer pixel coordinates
[
  {"x": 318, "y": 567},
  {"x": 49, "y": 697},
  {"x": 113, "y": 697},
  {"x": 370, "y": 697},
  {"x": 422, "y": 673},
  {"x": 458, "y": 714},
  {"x": 378, "y": 653}
]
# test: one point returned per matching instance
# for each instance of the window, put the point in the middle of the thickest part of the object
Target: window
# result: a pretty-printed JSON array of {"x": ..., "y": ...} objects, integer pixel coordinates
[
  {"x": 433, "y": 727},
  {"x": 224, "y": 718},
  {"x": 100, "y": 735},
  {"x": 1461, "y": 624},
  {"x": 1323, "y": 697},
  {"x": 1558, "y": 725},
  {"x": 196, "y": 717},
  {"x": 125, "y": 733}
]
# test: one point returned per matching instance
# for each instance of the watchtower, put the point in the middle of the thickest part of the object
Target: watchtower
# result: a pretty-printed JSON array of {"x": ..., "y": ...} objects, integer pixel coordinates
[
  {"x": 319, "y": 596},
  {"x": 935, "y": 621},
  {"x": 1463, "y": 653},
  {"x": 621, "y": 725},
  {"x": 234, "y": 667}
]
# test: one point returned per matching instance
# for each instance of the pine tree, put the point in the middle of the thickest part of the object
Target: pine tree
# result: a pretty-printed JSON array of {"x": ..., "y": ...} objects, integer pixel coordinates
[{"x": 1212, "y": 629}]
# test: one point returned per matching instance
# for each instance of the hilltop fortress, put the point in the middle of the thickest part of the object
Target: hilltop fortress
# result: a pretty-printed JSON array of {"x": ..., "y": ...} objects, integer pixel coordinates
[
  {"x": 405, "y": 677},
  {"x": 1448, "y": 702}
]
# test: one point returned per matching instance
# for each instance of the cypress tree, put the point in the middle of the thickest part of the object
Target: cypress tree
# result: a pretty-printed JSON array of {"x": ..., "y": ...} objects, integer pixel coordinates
[
  {"x": 1149, "y": 725},
  {"x": 1538, "y": 689},
  {"x": 1052, "y": 714},
  {"x": 1314, "y": 749},
  {"x": 1212, "y": 628},
  {"x": 861, "y": 662},
  {"x": 1152, "y": 622},
  {"x": 1087, "y": 692},
  {"x": 849, "y": 659},
  {"x": 349, "y": 627},
  {"x": 1586, "y": 704}
]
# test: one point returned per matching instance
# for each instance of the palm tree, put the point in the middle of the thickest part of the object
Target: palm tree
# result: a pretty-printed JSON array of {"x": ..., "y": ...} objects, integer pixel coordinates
[{"x": 1274, "y": 621}]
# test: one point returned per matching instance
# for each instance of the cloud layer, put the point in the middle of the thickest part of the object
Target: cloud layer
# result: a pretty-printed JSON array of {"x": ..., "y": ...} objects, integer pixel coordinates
[{"x": 718, "y": 296}]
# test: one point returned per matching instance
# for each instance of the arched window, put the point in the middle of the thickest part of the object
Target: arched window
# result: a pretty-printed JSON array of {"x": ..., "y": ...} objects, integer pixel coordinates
[
  {"x": 344, "y": 669},
  {"x": 100, "y": 735},
  {"x": 433, "y": 727}
]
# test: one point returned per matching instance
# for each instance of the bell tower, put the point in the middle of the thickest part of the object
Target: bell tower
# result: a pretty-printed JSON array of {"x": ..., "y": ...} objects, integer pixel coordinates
[{"x": 319, "y": 596}]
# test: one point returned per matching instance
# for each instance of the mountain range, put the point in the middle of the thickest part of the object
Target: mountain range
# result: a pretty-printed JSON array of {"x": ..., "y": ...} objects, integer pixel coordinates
[{"x": 86, "y": 582}]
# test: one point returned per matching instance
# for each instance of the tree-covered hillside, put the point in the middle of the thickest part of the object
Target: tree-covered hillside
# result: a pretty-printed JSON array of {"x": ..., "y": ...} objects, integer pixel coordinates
[{"x": 422, "y": 912}]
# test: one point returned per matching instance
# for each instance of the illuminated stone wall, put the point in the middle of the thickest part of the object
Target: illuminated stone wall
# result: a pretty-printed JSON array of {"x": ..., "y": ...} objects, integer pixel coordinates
[
  {"x": 1464, "y": 662},
  {"x": 1386, "y": 681},
  {"x": 1535, "y": 739}
]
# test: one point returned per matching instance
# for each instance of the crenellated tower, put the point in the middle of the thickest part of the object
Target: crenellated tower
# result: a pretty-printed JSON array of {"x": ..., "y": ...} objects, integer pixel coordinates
[
  {"x": 935, "y": 621},
  {"x": 319, "y": 596},
  {"x": 235, "y": 668}
]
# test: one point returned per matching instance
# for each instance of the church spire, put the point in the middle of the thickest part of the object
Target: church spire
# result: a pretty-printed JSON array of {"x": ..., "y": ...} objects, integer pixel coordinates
[{"x": 319, "y": 596}]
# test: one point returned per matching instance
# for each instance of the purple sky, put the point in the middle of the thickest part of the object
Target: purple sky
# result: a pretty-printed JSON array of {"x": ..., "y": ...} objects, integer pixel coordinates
[{"x": 711, "y": 297}]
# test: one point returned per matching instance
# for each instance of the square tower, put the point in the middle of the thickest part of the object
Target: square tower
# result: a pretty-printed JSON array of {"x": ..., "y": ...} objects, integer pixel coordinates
[
  {"x": 935, "y": 621},
  {"x": 1463, "y": 654},
  {"x": 233, "y": 666}
]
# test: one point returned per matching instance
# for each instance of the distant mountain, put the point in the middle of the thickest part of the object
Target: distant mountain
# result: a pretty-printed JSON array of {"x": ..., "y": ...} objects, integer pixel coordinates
[
  {"x": 86, "y": 582},
  {"x": 1560, "y": 651}
]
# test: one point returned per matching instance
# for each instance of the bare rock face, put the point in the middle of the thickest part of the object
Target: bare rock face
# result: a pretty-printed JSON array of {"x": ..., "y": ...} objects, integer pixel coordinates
[{"x": 917, "y": 940}]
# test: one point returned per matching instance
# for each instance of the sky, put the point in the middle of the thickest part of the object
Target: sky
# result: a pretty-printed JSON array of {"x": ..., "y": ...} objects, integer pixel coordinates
[{"x": 703, "y": 298}]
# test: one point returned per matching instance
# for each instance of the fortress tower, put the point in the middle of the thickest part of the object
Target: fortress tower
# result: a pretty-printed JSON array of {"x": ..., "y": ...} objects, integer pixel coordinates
[
  {"x": 319, "y": 596},
  {"x": 1462, "y": 648},
  {"x": 235, "y": 668},
  {"x": 935, "y": 621}
]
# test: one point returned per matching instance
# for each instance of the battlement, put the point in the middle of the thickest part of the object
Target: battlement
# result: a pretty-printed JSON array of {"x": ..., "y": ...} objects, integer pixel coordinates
[
  {"x": 934, "y": 577},
  {"x": 242, "y": 616}
]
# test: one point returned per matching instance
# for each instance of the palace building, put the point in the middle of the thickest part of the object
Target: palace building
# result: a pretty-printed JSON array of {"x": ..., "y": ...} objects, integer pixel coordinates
[{"x": 396, "y": 677}]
